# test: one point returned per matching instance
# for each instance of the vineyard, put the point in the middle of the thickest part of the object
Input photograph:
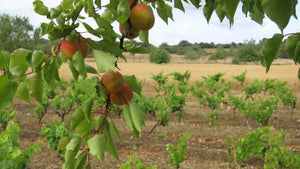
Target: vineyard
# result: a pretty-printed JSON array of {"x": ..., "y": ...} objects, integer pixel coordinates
[{"x": 223, "y": 114}]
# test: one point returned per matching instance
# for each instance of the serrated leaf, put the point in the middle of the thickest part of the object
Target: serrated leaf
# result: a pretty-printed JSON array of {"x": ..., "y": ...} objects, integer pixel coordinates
[
  {"x": 84, "y": 127},
  {"x": 87, "y": 106},
  {"x": 23, "y": 92},
  {"x": 104, "y": 61},
  {"x": 40, "y": 8},
  {"x": 112, "y": 47},
  {"x": 164, "y": 11},
  {"x": 127, "y": 116},
  {"x": 196, "y": 3},
  {"x": 74, "y": 144},
  {"x": 7, "y": 91},
  {"x": 78, "y": 64},
  {"x": 178, "y": 4},
  {"x": 37, "y": 59},
  {"x": 132, "y": 81},
  {"x": 71, "y": 152},
  {"x": 66, "y": 4},
  {"x": 271, "y": 48},
  {"x": 55, "y": 12},
  {"x": 18, "y": 61},
  {"x": 34, "y": 83},
  {"x": 97, "y": 146},
  {"x": 110, "y": 145},
  {"x": 230, "y": 7},
  {"x": 50, "y": 72},
  {"x": 297, "y": 53},
  {"x": 80, "y": 162},
  {"x": 279, "y": 11},
  {"x": 123, "y": 11},
  {"x": 291, "y": 43},
  {"x": 74, "y": 72},
  {"x": 90, "y": 69},
  {"x": 130, "y": 47},
  {"x": 62, "y": 144},
  {"x": 137, "y": 116},
  {"x": 143, "y": 35},
  {"x": 114, "y": 131},
  {"x": 76, "y": 118},
  {"x": 4, "y": 58},
  {"x": 208, "y": 9}
]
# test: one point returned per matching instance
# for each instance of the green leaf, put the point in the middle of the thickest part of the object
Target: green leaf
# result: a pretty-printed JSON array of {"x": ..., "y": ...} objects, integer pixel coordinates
[
  {"x": 4, "y": 58},
  {"x": 91, "y": 30},
  {"x": 137, "y": 116},
  {"x": 62, "y": 144},
  {"x": 133, "y": 83},
  {"x": 7, "y": 91},
  {"x": 34, "y": 83},
  {"x": 291, "y": 44},
  {"x": 55, "y": 12},
  {"x": 23, "y": 92},
  {"x": 230, "y": 7},
  {"x": 108, "y": 15},
  {"x": 81, "y": 160},
  {"x": 196, "y": 3},
  {"x": 71, "y": 153},
  {"x": 98, "y": 3},
  {"x": 271, "y": 48},
  {"x": 97, "y": 146},
  {"x": 110, "y": 145},
  {"x": 40, "y": 8},
  {"x": 90, "y": 69},
  {"x": 178, "y": 4},
  {"x": 74, "y": 72},
  {"x": 164, "y": 11},
  {"x": 87, "y": 106},
  {"x": 78, "y": 64},
  {"x": 104, "y": 61},
  {"x": 123, "y": 11},
  {"x": 37, "y": 59},
  {"x": 143, "y": 35},
  {"x": 84, "y": 127},
  {"x": 297, "y": 53},
  {"x": 50, "y": 72},
  {"x": 76, "y": 118},
  {"x": 66, "y": 4},
  {"x": 18, "y": 61},
  {"x": 279, "y": 11},
  {"x": 130, "y": 47},
  {"x": 112, "y": 47},
  {"x": 114, "y": 131},
  {"x": 127, "y": 116},
  {"x": 208, "y": 9}
]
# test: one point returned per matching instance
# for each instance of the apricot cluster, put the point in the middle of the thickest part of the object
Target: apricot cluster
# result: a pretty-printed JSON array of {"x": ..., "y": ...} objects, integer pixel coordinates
[
  {"x": 141, "y": 18},
  {"x": 113, "y": 83}
]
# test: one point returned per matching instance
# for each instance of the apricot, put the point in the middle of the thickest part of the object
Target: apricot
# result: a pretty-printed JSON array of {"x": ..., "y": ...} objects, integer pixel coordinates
[
  {"x": 112, "y": 81},
  {"x": 69, "y": 46},
  {"x": 123, "y": 96},
  {"x": 142, "y": 17},
  {"x": 131, "y": 33}
]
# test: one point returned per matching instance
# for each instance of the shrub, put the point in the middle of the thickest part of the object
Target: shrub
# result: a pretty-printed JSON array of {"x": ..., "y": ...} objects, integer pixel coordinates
[
  {"x": 159, "y": 56},
  {"x": 246, "y": 53},
  {"x": 220, "y": 53}
]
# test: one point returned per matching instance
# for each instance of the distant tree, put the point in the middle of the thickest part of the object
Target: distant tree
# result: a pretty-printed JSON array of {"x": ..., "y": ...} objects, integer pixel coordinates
[
  {"x": 220, "y": 53},
  {"x": 184, "y": 43},
  {"x": 159, "y": 56},
  {"x": 247, "y": 53},
  {"x": 15, "y": 32}
]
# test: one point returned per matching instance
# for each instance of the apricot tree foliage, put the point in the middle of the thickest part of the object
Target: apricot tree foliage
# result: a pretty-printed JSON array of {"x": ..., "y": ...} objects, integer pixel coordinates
[{"x": 26, "y": 71}]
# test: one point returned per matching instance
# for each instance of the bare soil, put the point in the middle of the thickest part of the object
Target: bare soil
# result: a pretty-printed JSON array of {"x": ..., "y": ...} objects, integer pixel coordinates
[{"x": 206, "y": 146}]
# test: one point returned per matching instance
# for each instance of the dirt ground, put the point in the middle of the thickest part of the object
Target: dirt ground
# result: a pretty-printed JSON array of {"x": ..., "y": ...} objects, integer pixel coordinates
[{"x": 206, "y": 146}]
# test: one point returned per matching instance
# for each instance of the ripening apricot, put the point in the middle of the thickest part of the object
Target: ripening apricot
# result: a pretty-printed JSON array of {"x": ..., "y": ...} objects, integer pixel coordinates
[
  {"x": 142, "y": 17},
  {"x": 123, "y": 96},
  {"x": 112, "y": 81},
  {"x": 130, "y": 33}
]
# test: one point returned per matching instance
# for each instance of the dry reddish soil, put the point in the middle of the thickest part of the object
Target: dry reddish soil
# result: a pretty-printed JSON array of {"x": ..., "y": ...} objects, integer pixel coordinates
[{"x": 206, "y": 147}]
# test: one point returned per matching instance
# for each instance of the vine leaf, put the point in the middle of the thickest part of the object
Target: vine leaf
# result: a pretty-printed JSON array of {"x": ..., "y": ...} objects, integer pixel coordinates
[
  {"x": 271, "y": 48},
  {"x": 279, "y": 11}
]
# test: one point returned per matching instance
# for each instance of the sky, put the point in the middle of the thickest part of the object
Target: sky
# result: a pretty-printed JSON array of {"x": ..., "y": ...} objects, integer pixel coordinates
[{"x": 190, "y": 25}]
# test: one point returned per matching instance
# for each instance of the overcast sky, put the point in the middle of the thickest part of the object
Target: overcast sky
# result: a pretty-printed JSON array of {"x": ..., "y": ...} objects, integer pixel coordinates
[{"x": 190, "y": 26}]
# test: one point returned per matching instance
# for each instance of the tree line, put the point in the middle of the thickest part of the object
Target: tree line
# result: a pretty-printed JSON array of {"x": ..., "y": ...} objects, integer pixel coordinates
[{"x": 17, "y": 32}]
